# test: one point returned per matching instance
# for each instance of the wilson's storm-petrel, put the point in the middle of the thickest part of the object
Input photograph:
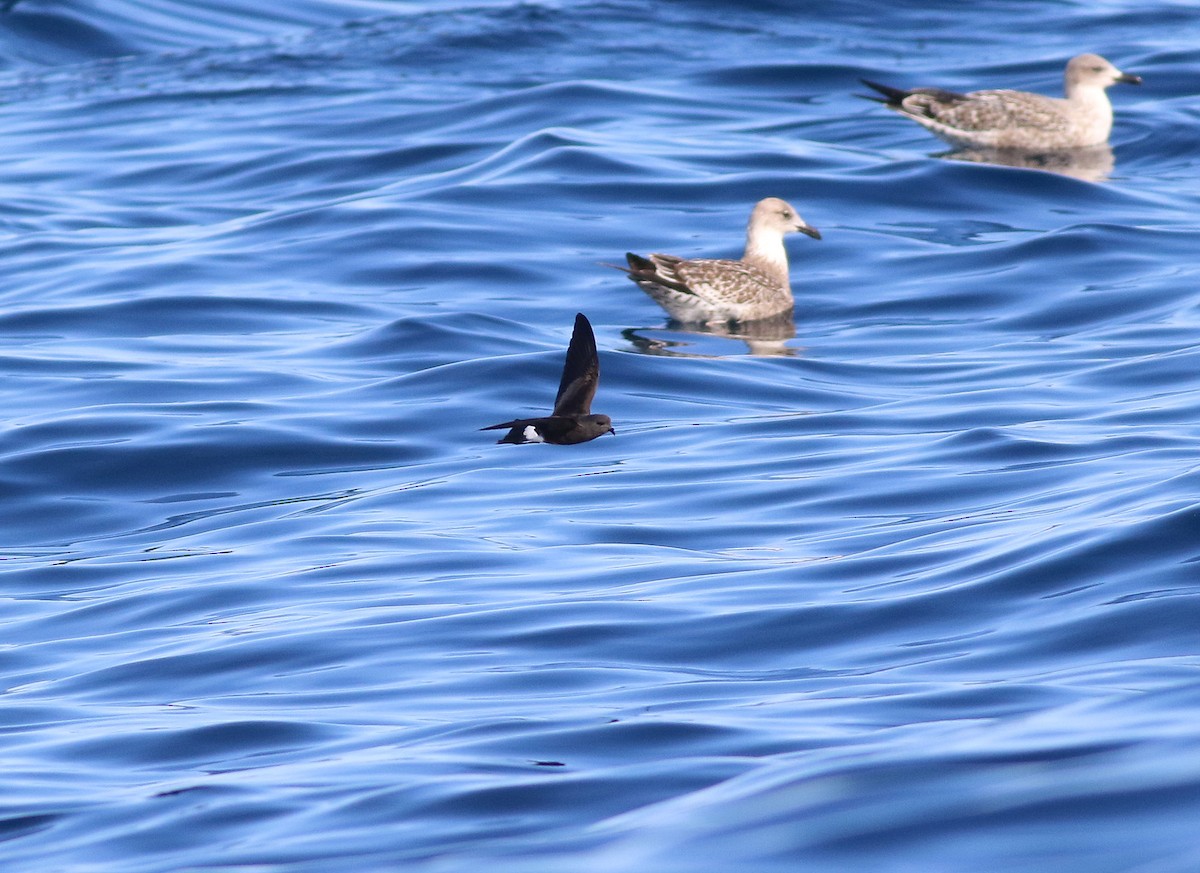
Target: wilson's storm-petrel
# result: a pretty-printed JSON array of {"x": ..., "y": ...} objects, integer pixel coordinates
[
  {"x": 1004, "y": 119},
  {"x": 571, "y": 421},
  {"x": 721, "y": 290}
]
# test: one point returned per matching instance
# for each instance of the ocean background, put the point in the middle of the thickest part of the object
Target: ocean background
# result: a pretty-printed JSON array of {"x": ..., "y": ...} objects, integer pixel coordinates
[{"x": 915, "y": 589}]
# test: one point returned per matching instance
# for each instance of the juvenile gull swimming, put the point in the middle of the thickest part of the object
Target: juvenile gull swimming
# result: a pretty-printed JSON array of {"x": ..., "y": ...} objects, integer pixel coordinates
[
  {"x": 716, "y": 290},
  {"x": 1017, "y": 119},
  {"x": 571, "y": 421}
]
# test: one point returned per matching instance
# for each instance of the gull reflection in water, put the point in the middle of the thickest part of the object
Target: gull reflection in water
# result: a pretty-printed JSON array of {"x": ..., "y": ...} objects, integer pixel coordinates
[
  {"x": 1092, "y": 164},
  {"x": 766, "y": 336}
]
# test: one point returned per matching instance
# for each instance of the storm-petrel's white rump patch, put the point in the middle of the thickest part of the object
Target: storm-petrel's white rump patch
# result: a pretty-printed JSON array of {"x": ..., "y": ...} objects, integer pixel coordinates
[
  {"x": 721, "y": 290},
  {"x": 1017, "y": 119},
  {"x": 571, "y": 421}
]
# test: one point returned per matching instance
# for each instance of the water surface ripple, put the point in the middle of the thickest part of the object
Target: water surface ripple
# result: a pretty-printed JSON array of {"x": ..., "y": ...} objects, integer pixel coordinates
[{"x": 914, "y": 589}]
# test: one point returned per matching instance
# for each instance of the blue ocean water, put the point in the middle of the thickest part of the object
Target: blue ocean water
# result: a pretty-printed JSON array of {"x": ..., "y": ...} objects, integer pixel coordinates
[{"x": 915, "y": 589}]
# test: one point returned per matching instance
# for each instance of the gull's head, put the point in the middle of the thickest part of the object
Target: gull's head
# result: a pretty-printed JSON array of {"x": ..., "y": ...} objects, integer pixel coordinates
[
  {"x": 776, "y": 216},
  {"x": 1093, "y": 71}
]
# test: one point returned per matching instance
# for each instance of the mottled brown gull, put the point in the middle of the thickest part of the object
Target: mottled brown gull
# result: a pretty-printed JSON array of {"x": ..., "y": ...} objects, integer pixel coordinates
[
  {"x": 721, "y": 290},
  {"x": 1018, "y": 119}
]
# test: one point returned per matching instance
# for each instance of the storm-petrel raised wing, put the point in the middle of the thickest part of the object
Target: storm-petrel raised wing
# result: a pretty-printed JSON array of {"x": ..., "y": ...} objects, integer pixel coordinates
[
  {"x": 571, "y": 421},
  {"x": 719, "y": 290},
  {"x": 1017, "y": 119}
]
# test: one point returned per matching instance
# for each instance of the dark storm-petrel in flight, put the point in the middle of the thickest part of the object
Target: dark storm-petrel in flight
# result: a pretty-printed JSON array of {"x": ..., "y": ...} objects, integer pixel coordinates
[{"x": 571, "y": 421}]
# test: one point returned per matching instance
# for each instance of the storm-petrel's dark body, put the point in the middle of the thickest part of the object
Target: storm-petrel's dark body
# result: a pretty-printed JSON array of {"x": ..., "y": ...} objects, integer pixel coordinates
[{"x": 571, "y": 421}]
